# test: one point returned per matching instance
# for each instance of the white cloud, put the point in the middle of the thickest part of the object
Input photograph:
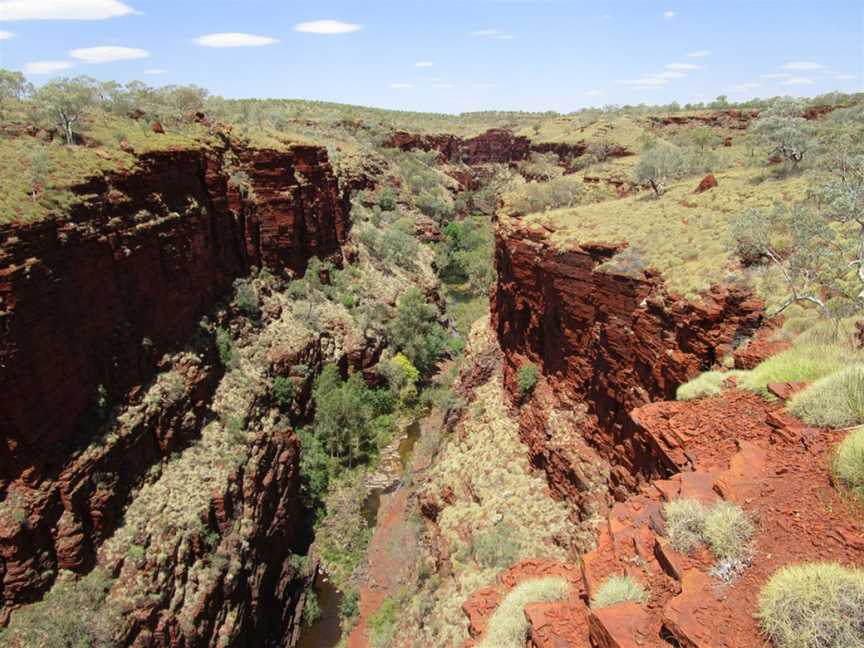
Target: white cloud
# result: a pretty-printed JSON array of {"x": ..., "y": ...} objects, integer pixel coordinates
[
  {"x": 442, "y": 86},
  {"x": 108, "y": 54},
  {"x": 401, "y": 85},
  {"x": 776, "y": 75},
  {"x": 594, "y": 93},
  {"x": 797, "y": 81},
  {"x": 4, "y": 35},
  {"x": 481, "y": 86},
  {"x": 683, "y": 66},
  {"x": 668, "y": 14},
  {"x": 234, "y": 39},
  {"x": 155, "y": 71},
  {"x": 606, "y": 16},
  {"x": 486, "y": 32},
  {"x": 667, "y": 75},
  {"x": 327, "y": 27},
  {"x": 803, "y": 65},
  {"x": 47, "y": 67},
  {"x": 845, "y": 77},
  {"x": 426, "y": 64},
  {"x": 506, "y": 37},
  {"x": 62, "y": 9},
  {"x": 744, "y": 87},
  {"x": 700, "y": 54}
]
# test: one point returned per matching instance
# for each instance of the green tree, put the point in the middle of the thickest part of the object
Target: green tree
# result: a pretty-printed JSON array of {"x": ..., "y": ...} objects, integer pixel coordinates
[
  {"x": 783, "y": 127},
  {"x": 66, "y": 102},
  {"x": 13, "y": 87},
  {"x": 703, "y": 137},
  {"x": 38, "y": 170},
  {"x": 415, "y": 331},
  {"x": 800, "y": 244},
  {"x": 659, "y": 164}
]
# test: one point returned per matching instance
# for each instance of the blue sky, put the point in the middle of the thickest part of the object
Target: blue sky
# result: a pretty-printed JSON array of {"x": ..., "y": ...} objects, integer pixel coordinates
[{"x": 448, "y": 55}]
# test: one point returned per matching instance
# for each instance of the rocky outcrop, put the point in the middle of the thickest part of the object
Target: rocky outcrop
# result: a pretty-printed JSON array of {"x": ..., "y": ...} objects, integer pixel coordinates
[
  {"x": 90, "y": 305},
  {"x": 495, "y": 146},
  {"x": 731, "y": 119},
  {"x": 605, "y": 344}
]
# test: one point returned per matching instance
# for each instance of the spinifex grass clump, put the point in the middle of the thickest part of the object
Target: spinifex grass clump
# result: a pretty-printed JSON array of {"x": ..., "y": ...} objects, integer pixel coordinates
[
  {"x": 725, "y": 528},
  {"x": 685, "y": 524},
  {"x": 848, "y": 463},
  {"x": 508, "y": 627},
  {"x": 815, "y": 605},
  {"x": 802, "y": 363},
  {"x": 710, "y": 383},
  {"x": 837, "y": 400},
  {"x": 618, "y": 589}
]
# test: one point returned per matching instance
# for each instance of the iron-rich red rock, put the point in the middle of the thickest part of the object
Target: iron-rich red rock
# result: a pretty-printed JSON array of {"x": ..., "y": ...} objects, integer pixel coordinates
[{"x": 708, "y": 182}]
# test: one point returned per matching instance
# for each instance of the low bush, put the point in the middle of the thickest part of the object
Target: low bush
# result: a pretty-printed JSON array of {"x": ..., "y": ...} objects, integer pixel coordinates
[
  {"x": 710, "y": 383},
  {"x": 814, "y": 605},
  {"x": 283, "y": 392},
  {"x": 496, "y": 548},
  {"x": 508, "y": 627},
  {"x": 848, "y": 462},
  {"x": 527, "y": 377},
  {"x": 685, "y": 524},
  {"x": 836, "y": 400},
  {"x": 618, "y": 589}
]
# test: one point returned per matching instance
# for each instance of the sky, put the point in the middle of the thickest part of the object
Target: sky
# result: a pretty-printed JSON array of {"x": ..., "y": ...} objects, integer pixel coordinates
[{"x": 448, "y": 55}]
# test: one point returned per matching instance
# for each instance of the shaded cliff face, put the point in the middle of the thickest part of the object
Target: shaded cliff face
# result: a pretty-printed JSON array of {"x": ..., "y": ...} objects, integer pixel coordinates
[
  {"x": 89, "y": 308},
  {"x": 96, "y": 300},
  {"x": 605, "y": 343}
]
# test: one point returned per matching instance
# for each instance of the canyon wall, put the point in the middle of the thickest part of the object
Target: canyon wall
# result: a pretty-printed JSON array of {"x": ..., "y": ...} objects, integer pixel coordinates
[
  {"x": 92, "y": 307},
  {"x": 605, "y": 343}
]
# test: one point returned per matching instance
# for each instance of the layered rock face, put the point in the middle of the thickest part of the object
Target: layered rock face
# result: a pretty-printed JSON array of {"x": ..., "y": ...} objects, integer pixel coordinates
[
  {"x": 89, "y": 306},
  {"x": 605, "y": 344},
  {"x": 96, "y": 300}
]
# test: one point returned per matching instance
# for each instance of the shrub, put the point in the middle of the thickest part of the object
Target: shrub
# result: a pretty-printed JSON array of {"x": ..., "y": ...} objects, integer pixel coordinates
[
  {"x": 813, "y": 605},
  {"x": 619, "y": 589},
  {"x": 387, "y": 199},
  {"x": 384, "y": 621},
  {"x": 508, "y": 627},
  {"x": 836, "y": 400},
  {"x": 247, "y": 300},
  {"x": 496, "y": 548},
  {"x": 73, "y": 613},
  {"x": 527, "y": 377},
  {"x": 685, "y": 524},
  {"x": 226, "y": 347},
  {"x": 311, "y": 608},
  {"x": 349, "y": 606},
  {"x": 710, "y": 383},
  {"x": 283, "y": 392},
  {"x": 728, "y": 532},
  {"x": 848, "y": 462}
]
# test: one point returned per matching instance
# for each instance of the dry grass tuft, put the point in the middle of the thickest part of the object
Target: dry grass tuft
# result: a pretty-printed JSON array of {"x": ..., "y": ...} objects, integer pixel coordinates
[
  {"x": 619, "y": 589},
  {"x": 508, "y": 627}
]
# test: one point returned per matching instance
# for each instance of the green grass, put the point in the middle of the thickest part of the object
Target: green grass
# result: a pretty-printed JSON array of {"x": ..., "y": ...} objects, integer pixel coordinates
[
  {"x": 619, "y": 589},
  {"x": 683, "y": 235},
  {"x": 508, "y": 627},
  {"x": 710, "y": 383},
  {"x": 835, "y": 400},
  {"x": 814, "y": 605},
  {"x": 685, "y": 524},
  {"x": 804, "y": 362},
  {"x": 848, "y": 462}
]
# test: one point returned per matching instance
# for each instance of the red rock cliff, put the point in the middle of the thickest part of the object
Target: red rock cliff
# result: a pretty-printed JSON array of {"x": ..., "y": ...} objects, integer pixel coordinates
[
  {"x": 95, "y": 300},
  {"x": 605, "y": 344},
  {"x": 89, "y": 307}
]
